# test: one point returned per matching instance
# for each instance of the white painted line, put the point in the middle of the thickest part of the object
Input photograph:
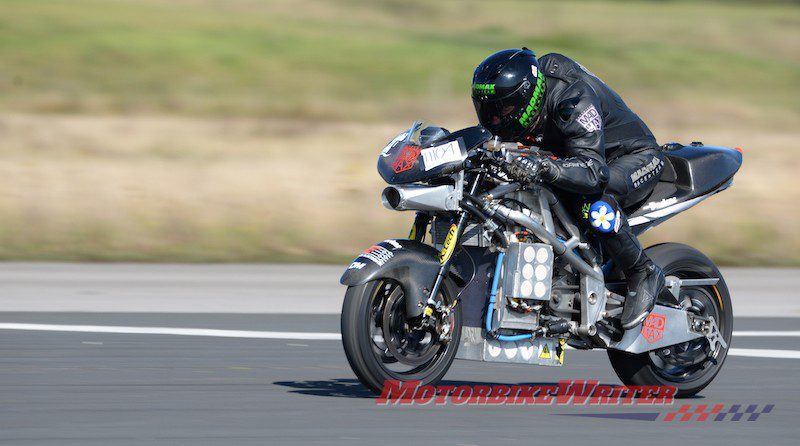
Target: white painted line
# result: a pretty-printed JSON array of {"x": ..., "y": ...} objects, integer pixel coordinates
[
  {"x": 759, "y": 353},
  {"x": 174, "y": 331},
  {"x": 776, "y": 334},
  {"x": 746, "y": 352}
]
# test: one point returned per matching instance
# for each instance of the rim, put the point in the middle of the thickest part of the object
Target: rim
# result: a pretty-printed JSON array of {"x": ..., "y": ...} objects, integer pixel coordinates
[
  {"x": 691, "y": 360},
  {"x": 400, "y": 351}
]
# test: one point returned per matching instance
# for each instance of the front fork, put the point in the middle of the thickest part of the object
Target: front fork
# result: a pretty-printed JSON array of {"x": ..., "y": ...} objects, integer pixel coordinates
[
  {"x": 419, "y": 227},
  {"x": 446, "y": 259}
]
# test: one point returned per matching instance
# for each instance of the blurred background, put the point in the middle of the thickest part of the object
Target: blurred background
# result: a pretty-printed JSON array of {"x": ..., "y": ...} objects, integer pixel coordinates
[{"x": 248, "y": 130}]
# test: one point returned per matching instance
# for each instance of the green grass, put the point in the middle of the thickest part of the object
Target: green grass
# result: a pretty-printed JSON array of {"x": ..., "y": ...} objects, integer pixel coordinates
[{"x": 350, "y": 59}]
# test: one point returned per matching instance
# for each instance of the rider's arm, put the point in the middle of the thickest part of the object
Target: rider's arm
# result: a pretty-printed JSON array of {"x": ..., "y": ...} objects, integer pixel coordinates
[{"x": 578, "y": 116}]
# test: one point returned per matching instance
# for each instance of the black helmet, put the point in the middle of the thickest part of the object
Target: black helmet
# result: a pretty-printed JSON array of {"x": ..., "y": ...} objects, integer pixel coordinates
[{"x": 508, "y": 91}]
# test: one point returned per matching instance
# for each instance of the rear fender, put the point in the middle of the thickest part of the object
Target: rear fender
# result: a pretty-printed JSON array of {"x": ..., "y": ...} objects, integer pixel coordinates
[{"x": 409, "y": 262}]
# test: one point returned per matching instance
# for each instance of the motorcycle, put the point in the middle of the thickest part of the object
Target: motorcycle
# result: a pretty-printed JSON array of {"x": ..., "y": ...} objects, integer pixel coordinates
[{"x": 509, "y": 276}]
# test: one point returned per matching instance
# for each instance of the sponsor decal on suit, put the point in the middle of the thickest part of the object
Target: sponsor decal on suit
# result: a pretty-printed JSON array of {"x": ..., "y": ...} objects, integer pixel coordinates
[
  {"x": 646, "y": 172},
  {"x": 590, "y": 119}
]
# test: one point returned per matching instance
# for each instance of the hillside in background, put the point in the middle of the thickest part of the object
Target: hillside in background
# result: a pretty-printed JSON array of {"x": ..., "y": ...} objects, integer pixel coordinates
[{"x": 247, "y": 130}]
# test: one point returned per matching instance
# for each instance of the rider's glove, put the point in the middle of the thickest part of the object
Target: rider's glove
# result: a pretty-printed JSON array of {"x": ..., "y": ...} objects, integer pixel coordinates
[
  {"x": 525, "y": 169},
  {"x": 528, "y": 169}
]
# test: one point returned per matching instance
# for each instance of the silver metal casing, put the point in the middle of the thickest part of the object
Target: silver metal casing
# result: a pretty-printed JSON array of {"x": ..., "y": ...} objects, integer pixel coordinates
[
  {"x": 417, "y": 197},
  {"x": 528, "y": 271}
]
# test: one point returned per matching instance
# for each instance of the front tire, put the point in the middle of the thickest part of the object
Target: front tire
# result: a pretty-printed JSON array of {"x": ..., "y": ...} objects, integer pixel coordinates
[
  {"x": 658, "y": 368},
  {"x": 375, "y": 311}
]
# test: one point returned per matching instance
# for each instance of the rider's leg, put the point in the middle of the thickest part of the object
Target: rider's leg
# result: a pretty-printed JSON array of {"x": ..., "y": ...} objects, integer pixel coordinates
[
  {"x": 645, "y": 279},
  {"x": 632, "y": 178}
]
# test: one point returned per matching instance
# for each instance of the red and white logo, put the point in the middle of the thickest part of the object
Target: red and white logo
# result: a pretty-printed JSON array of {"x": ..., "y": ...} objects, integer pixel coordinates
[
  {"x": 406, "y": 159},
  {"x": 653, "y": 327}
]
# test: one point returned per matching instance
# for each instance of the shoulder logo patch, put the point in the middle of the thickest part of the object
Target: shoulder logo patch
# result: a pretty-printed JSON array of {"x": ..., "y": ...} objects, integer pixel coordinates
[{"x": 590, "y": 119}]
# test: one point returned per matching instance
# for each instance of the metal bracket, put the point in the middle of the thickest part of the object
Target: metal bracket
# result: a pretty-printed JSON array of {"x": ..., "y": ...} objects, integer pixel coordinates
[
  {"x": 708, "y": 327},
  {"x": 593, "y": 300},
  {"x": 675, "y": 284}
]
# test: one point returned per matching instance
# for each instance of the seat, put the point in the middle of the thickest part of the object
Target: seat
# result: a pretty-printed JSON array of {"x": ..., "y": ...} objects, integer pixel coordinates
[{"x": 689, "y": 172}]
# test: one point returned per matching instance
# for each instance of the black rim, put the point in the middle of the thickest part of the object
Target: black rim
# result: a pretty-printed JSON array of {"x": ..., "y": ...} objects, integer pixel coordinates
[
  {"x": 400, "y": 351},
  {"x": 692, "y": 360}
]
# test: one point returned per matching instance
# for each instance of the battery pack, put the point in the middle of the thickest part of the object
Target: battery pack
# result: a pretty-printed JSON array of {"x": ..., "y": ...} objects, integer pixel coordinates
[{"x": 528, "y": 271}]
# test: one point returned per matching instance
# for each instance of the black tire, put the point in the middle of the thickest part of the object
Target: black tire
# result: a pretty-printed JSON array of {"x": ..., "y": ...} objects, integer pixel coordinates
[
  {"x": 684, "y": 262},
  {"x": 373, "y": 368}
]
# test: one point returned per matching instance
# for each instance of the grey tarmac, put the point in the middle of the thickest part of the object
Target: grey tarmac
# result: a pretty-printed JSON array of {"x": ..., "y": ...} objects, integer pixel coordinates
[{"x": 77, "y": 388}]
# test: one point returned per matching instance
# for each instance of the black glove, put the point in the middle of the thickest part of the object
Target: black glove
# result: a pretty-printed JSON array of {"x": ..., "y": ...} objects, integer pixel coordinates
[{"x": 525, "y": 169}]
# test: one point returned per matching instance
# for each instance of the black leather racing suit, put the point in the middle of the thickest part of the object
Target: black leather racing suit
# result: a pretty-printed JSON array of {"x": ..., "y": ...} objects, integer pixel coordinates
[{"x": 604, "y": 151}]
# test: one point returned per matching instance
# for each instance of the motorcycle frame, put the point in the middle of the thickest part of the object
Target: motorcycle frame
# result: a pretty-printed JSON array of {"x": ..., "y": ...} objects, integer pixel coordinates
[{"x": 594, "y": 296}]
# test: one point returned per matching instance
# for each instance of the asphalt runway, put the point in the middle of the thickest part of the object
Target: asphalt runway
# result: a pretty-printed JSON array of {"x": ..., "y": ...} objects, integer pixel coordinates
[
  {"x": 193, "y": 387},
  {"x": 164, "y": 288}
]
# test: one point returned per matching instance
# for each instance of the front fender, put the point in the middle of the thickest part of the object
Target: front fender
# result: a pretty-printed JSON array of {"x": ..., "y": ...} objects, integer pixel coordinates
[{"x": 409, "y": 262}]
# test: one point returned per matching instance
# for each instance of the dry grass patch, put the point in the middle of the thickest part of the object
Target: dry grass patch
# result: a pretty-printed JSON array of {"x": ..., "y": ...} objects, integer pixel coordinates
[{"x": 186, "y": 189}]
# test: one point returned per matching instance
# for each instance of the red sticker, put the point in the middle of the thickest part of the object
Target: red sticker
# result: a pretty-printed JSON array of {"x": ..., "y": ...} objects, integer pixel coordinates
[
  {"x": 406, "y": 159},
  {"x": 653, "y": 327}
]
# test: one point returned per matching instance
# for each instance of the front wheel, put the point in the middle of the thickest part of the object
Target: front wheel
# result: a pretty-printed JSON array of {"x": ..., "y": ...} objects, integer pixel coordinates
[
  {"x": 382, "y": 344},
  {"x": 690, "y": 366}
]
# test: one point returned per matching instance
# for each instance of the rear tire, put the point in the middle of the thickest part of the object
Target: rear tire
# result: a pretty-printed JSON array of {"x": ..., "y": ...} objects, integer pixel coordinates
[
  {"x": 648, "y": 368},
  {"x": 371, "y": 363}
]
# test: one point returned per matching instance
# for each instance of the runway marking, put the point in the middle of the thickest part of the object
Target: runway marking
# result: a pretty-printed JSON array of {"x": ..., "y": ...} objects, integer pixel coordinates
[
  {"x": 759, "y": 353},
  {"x": 246, "y": 334},
  {"x": 776, "y": 334},
  {"x": 175, "y": 331}
]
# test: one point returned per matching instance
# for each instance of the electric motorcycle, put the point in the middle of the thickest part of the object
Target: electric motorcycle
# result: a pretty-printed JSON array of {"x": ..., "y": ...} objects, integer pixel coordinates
[{"x": 507, "y": 274}]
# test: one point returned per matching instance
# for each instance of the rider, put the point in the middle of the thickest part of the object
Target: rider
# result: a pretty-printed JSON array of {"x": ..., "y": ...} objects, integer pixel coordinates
[{"x": 605, "y": 157}]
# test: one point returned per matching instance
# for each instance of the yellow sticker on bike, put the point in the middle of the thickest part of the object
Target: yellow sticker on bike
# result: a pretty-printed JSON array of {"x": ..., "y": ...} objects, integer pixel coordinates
[
  {"x": 413, "y": 234},
  {"x": 449, "y": 245}
]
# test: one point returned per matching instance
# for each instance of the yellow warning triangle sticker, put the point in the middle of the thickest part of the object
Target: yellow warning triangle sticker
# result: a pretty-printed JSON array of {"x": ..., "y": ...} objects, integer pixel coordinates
[{"x": 545, "y": 353}]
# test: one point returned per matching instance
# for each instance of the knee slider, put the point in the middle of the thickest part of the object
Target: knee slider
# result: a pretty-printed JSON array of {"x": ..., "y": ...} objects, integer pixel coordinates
[{"x": 603, "y": 217}]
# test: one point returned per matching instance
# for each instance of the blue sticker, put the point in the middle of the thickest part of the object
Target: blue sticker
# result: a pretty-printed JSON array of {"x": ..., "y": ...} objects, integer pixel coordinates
[{"x": 603, "y": 217}]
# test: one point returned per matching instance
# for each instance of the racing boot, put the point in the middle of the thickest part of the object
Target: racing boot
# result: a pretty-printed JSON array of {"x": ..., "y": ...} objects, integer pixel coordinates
[
  {"x": 645, "y": 279},
  {"x": 645, "y": 282}
]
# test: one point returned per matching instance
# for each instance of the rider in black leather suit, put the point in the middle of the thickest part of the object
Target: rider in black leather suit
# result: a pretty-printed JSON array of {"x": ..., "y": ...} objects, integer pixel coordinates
[{"x": 605, "y": 159}]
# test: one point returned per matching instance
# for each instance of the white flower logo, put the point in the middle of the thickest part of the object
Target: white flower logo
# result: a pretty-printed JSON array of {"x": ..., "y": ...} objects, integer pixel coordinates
[{"x": 602, "y": 218}]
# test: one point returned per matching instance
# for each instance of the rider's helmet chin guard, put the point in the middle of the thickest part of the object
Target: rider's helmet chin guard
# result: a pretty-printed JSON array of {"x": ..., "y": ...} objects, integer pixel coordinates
[{"x": 508, "y": 92}]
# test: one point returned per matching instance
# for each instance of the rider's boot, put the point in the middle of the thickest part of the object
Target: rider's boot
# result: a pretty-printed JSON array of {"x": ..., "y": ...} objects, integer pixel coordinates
[
  {"x": 645, "y": 282},
  {"x": 645, "y": 278}
]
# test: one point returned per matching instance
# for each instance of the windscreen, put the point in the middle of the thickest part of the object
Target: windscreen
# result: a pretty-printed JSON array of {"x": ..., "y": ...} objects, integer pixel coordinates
[{"x": 420, "y": 153}]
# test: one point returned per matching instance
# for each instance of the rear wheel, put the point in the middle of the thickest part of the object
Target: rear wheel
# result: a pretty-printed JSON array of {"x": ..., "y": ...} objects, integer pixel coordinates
[
  {"x": 690, "y": 366},
  {"x": 382, "y": 344}
]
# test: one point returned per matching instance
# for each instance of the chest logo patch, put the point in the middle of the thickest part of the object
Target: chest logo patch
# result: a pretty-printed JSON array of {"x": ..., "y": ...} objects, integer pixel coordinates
[{"x": 590, "y": 119}]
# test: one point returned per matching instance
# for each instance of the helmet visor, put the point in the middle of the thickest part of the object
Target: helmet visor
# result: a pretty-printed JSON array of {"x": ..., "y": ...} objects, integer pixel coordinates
[{"x": 500, "y": 116}]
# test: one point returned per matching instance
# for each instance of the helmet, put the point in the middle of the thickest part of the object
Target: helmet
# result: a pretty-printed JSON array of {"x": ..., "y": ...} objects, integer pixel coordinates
[{"x": 508, "y": 92}]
